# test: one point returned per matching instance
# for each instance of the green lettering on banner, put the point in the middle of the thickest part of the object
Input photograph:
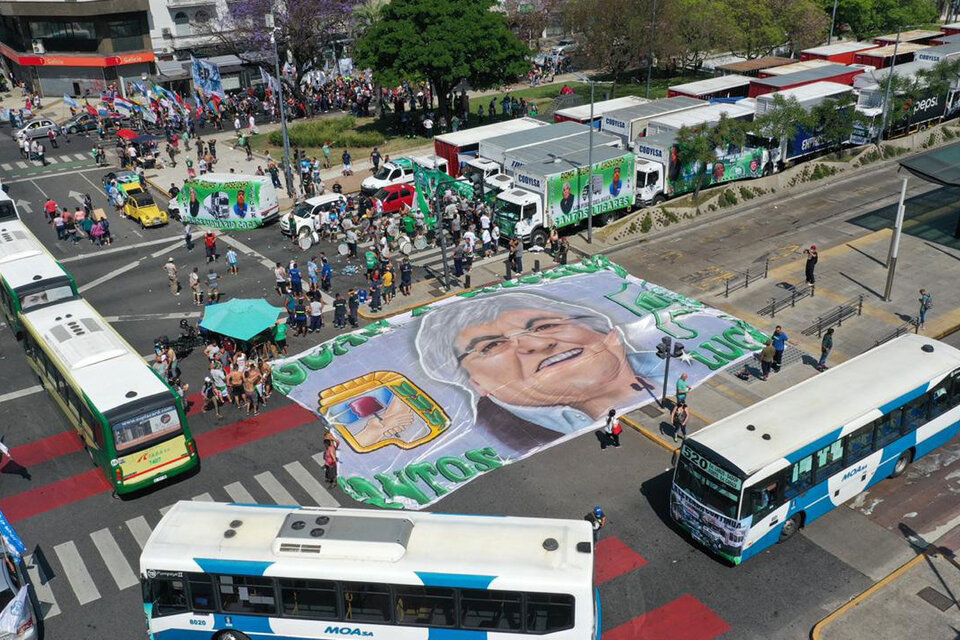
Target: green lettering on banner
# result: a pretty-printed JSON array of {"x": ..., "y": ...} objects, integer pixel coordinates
[
  {"x": 734, "y": 336},
  {"x": 425, "y": 472},
  {"x": 363, "y": 490},
  {"x": 419, "y": 402},
  {"x": 398, "y": 484},
  {"x": 730, "y": 352},
  {"x": 318, "y": 360},
  {"x": 713, "y": 364},
  {"x": 404, "y": 389},
  {"x": 658, "y": 305},
  {"x": 290, "y": 374},
  {"x": 446, "y": 466},
  {"x": 434, "y": 417},
  {"x": 486, "y": 459}
]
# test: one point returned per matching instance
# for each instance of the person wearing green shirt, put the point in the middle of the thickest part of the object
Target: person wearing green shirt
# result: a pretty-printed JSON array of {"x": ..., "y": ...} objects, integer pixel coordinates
[
  {"x": 371, "y": 259},
  {"x": 280, "y": 336},
  {"x": 682, "y": 389}
]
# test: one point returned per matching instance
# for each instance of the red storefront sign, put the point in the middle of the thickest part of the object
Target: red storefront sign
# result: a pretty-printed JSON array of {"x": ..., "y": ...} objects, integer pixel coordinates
[{"x": 77, "y": 61}]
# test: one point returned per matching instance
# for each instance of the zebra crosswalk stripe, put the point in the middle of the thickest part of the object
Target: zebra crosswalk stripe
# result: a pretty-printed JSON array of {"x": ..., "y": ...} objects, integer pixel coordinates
[
  {"x": 116, "y": 563},
  {"x": 81, "y": 156},
  {"x": 21, "y": 164},
  {"x": 139, "y": 529},
  {"x": 238, "y": 493},
  {"x": 310, "y": 484},
  {"x": 41, "y": 587},
  {"x": 203, "y": 497},
  {"x": 76, "y": 572},
  {"x": 6, "y": 166},
  {"x": 274, "y": 489}
]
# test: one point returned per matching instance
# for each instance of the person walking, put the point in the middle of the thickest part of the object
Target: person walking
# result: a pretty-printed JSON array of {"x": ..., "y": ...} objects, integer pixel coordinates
[
  {"x": 194, "y": 279},
  {"x": 280, "y": 275},
  {"x": 683, "y": 388},
  {"x": 213, "y": 285},
  {"x": 188, "y": 236},
  {"x": 171, "y": 270},
  {"x": 330, "y": 462},
  {"x": 926, "y": 303},
  {"x": 597, "y": 519},
  {"x": 280, "y": 335},
  {"x": 767, "y": 355},
  {"x": 826, "y": 345},
  {"x": 316, "y": 314},
  {"x": 347, "y": 166},
  {"x": 375, "y": 159},
  {"x": 780, "y": 341},
  {"x": 210, "y": 243},
  {"x": 233, "y": 265},
  {"x": 611, "y": 430},
  {"x": 210, "y": 397},
  {"x": 326, "y": 275},
  {"x": 812, "y": 258},
  {"x": 339, "y": 311},
  {"x": 678, "y": 418}
]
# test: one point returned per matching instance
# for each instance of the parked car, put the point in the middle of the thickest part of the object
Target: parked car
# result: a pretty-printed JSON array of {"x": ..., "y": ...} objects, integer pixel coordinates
[
  {"x": 80, "y": 122},
  {"x": 141, "y": 206},
  {"x": 300, "y": 218},
  {"x": 37, "y": 128},
  {"x": 395, "y": 172},
  {"x": 394, "y": 197},
  {"x": 565, "y": 47}
]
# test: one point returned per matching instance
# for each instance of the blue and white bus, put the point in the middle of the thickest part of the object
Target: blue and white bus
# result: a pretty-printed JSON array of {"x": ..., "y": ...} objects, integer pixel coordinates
[
  {"x": 758, "y": 476},
  {"x": 244, "y": 572}
]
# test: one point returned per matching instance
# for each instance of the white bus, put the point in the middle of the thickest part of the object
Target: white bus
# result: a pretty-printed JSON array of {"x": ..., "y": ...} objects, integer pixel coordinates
[
  {"x": 758, "y": 476},
  {"x": 239, "y": 572}
]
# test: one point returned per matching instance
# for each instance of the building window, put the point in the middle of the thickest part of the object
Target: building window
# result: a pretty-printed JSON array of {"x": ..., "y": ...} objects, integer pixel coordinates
[
  {"x": 65, "y": 35},
  {"x": 180, "y": 18},
  {"x": 201, "y": 17},
  {"x": 127, "y": 33}
]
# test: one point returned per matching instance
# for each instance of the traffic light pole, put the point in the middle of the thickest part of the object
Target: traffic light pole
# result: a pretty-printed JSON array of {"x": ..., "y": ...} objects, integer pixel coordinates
[
  {"x": 666, "y": 376},
  {"x": 666, "y": 350}
]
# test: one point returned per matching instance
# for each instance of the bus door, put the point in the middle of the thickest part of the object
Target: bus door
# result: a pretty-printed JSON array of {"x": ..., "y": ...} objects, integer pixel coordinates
[{"x": 765, "y": 502}]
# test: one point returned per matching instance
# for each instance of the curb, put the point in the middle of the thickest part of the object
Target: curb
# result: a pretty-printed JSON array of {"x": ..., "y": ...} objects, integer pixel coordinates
[
  {"x": 649, "y": 435},
  {"x": 861, "y": 597},
  {"x": 409, "y": 307}
]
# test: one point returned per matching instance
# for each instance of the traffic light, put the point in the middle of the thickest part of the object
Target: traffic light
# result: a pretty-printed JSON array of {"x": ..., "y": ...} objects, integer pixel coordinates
[
  {"x": 663, "y": 349},
  {"x": 677, "y": 349}
]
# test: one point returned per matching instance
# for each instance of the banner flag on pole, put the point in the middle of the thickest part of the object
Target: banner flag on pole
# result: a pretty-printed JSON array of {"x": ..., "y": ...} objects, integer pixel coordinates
[{"x": 206, "y": 76}]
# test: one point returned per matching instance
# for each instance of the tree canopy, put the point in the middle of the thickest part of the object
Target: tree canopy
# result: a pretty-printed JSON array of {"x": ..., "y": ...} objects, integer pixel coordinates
[
  {"x": 443, "y": 42},
  {"x": 866, "y": 18}
]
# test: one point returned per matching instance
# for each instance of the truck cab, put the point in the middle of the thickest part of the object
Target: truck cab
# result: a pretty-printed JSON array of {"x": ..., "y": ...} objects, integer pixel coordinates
[
  {"x": 519, "y": 213},
  {"x": 650, "y": 183},
  {"x": 492, "y": 174},
  {"x": 399, "y": 171}
]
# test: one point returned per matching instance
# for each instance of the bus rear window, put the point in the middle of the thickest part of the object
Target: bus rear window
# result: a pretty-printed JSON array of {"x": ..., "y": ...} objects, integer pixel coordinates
[
  {"x": 39, "y": 298},
  {"x": 134, "y": 433}
]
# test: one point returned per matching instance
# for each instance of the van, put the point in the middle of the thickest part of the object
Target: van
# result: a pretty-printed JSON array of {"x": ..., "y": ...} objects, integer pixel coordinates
[{"x": 227, "y": 201}]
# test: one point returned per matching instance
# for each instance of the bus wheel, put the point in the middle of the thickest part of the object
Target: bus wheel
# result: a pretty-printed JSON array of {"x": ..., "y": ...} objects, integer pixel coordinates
[
  {"x": 230, "y": 634},
  {"x": 790, "y": 527},
  {"x": 902, "y": 463}
]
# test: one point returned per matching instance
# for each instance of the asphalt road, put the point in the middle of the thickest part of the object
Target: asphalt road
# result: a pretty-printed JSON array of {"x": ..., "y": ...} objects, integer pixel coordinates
[{"x": 654, "y": 582}]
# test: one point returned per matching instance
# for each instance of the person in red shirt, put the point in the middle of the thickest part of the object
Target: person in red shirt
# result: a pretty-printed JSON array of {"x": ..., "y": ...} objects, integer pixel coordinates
[
  {"x": 50, "y": 208},
  {"x": 210, "y": 241}
]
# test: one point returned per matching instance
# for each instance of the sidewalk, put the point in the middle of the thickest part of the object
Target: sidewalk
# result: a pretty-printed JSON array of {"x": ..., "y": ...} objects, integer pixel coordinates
[{"x": 920, "y": 600}]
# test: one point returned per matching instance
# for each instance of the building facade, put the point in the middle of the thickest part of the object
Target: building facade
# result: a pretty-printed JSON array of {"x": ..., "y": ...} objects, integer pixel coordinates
[
  {"x": 77, "y": 47},
  {"x": 181, "y": 27}
]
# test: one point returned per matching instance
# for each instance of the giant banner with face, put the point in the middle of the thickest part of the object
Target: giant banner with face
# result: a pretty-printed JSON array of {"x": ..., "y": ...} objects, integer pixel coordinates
[
  {"x": 221, "y": 205},
  {"x": 425, "y": 401}
]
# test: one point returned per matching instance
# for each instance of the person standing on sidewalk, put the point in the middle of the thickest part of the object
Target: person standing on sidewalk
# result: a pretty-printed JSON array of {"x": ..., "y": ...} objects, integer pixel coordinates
[
  {"x": 826, "y": 345},
  {"x": 812, "y": 258},
  {"x": 678, "y": 418},
  {"x": 353, "y": 304},
  {"x": 780, "y": 340},
  {"x": 171, "y": 270},
  {"x": 683, "y": 388},
  {"x": 406, "y": 276},
  {"x": 766, "y": 359},
  {"x": 926, "y": 303},
  {"x": 375, "y": 159}
]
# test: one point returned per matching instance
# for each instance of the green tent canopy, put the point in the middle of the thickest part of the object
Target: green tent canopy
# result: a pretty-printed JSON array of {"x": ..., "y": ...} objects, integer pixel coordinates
[{"x": 240, "y": 318}]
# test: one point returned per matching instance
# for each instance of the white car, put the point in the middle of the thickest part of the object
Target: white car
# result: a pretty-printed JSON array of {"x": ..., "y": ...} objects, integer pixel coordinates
[
  {"x": 399, "y": 171},
  {"x": 565, "y": 47},
  {"x": 37, "y": 128},
  {"x": 299, "y": 220}
]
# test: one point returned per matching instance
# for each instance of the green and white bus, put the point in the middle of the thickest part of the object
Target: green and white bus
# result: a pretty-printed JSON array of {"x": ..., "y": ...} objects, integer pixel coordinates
[{"x": 131, "y": 422}]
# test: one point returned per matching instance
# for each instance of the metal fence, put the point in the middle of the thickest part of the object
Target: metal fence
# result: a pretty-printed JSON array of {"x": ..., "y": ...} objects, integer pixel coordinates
[
  {"x": 797, "y": 293},
  {"x": 742, "y": 280},
  {"x": 836, "y": 316}
]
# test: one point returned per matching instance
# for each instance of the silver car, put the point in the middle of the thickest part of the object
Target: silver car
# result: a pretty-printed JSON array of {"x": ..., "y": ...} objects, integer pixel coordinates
[{"x": 37, "y": 128}]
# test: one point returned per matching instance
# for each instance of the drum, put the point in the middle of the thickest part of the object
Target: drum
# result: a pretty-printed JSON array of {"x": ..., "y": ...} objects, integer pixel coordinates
[
  {"x": 406, "y": 247},
  {"x": 419, "y": 243},
  {"x": 305, "y": 241},
  {"x": 343, "y": 249}
]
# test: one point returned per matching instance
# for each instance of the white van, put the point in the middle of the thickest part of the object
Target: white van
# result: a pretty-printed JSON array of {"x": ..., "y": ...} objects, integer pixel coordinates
[{"x": 218, "y": 192}]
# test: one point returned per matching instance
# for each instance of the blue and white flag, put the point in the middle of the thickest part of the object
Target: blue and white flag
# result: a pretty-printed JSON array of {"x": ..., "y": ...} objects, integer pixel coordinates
[
  {"x": 206, "y": 77},
  {"x": 122, "y": 106},
  {"x": 272, "y": 83},
  {"x": 70, "y": 102}
]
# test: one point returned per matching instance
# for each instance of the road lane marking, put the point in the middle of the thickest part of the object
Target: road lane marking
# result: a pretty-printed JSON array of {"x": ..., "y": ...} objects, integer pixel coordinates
[
  {"x": 203, "y": 497},
  {"x": 41, "y": 587},
  {"x": 21, "y": 164},
  {"x": 109, "y": 276},
  {"x": 139, "y": 529},
  {"x": 310, "y": 484},
  {"x": 80, "y": 156},
  {"x": 239, "y": 494},
  {"x": 274, "y": 489},
  {"x": 116, "y": 563},
  {"x": 140, "y": 317},
  {"x": 6, "y": 166},
  {"x": 42, "y": 192},
  {"x": 76, "y": 572},
  {"x": 138, "y": 245},
  {"x": 13, "y": 395}
]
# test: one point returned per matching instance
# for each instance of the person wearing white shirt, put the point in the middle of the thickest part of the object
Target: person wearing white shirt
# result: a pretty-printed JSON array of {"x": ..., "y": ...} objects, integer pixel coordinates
[
  {"x": 484, "y": 221},
  {"x": 495, "y": 237},
  {"x": 487, "y": 241}
]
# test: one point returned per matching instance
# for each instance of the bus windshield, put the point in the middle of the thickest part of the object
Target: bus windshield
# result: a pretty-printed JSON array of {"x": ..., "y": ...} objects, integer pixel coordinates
[
  {"x": 705, "y": 489},
  {"x": 34, "y": 299},
  {"x": 135, "y": 433}
]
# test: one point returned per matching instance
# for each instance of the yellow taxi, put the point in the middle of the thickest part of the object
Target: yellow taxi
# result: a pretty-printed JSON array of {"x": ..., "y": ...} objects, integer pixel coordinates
[{"x": 141, "y": 207}]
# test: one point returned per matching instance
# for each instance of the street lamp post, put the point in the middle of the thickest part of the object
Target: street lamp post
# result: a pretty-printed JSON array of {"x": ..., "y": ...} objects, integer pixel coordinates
[
  {"x": 833, "y": 21},
  {"x": 886, "y": 97},
  {"x": 653, "y": 31},
  {"x": 593, "y": 84},
  {"x": 441, "y": 231},
  {"x": 287, "y": 169}
]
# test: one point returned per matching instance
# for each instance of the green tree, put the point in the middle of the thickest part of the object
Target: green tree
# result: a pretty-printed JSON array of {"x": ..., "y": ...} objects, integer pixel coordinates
[
  {"x": 834, "y": 120},
  {"x": 867, "y": 18},
  {"x": 758, "y": 30},
  {"x": 803, "y": 22},
  {"x": 613, "y": 38},
  {"x": 693, "y": 29},
  {"x": 783, "y": 121},
  {"x": 699, "y": 146},
  {"x": 444, "y": 42}
]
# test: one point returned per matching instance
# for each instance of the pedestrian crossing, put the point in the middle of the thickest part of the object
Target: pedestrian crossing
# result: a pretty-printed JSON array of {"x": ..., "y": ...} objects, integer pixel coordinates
[
  {"x": 73, "y": 566},
  {"x": 66, "y": 158},
  {"x": 432, "y": 258}
]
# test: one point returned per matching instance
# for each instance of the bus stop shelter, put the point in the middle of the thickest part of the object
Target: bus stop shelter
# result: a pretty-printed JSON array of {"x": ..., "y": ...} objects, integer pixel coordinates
[{"x": 940, "y": 166}]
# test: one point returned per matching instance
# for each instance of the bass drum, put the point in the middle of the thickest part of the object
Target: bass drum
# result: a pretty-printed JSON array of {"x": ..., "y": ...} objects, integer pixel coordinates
[
  {"x": 419, "y": 243},
  {"x": 406, "y": 247},
  {"x": 305, "y": 240},
  {"x": 343, "y": 249}
]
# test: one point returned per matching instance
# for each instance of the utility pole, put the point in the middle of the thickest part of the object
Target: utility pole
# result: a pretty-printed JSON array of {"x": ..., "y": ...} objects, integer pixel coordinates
[
  {"x": 895, "y": 242},
  {"x": 287, "y": 169},
  {"x": 653, "y": 31},
  {"x": 886, "y": 97},
  {"x": 833, "y": 21},
  {"x": 590, "y": 174}
]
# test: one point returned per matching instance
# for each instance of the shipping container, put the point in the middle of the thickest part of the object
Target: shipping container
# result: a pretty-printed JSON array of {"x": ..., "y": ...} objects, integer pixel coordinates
[
  {"x": 631, "y": 123},
  {"x": 839, "y": 52},
  {"x": 794, "y": 68},
  {"x": 839, "y": 73},
  {"x": 808, "y": 96},
  {"x": 755, "y": 66},
  {"x": 729, "y": 86},
  {"x": 466, "y": 142},
  {"x": 709, "y": 114},
  {"x": 882, "y": 57},
  {"x": 581, "y": 113},
  {"x": 917, "y": 36}
]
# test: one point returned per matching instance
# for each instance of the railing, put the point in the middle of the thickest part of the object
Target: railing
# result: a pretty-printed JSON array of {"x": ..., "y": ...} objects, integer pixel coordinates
[
  {"x": 911, "y": 324},
  {"x": 743, "y": 280},
  {"x": 850, "y": 308},
  {"x": 797, "y": 292}
]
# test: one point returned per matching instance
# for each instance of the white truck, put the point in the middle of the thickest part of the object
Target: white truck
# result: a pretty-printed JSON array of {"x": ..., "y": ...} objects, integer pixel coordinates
[
  {"x": 558, "y": 194},
  {"x": 808, "y": 96},
  {"x": 631, "y": 123},
  {"x": 399, "y": 171},
  {"x": 708, "y": 114}
]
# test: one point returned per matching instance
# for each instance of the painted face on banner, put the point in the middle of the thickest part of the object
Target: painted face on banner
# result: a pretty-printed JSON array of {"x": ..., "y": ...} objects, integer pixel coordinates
[{"x": 529, "y": 357}]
